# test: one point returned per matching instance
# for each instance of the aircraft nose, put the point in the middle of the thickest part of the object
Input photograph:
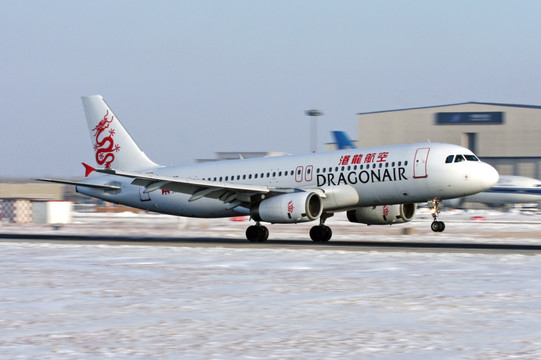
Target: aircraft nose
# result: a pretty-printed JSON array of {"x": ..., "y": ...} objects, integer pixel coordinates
[{"x": 487, "y": 176}]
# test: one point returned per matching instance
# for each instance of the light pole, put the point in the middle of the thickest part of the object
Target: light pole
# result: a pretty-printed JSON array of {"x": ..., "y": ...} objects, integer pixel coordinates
[{"x": 313, "y": 127}]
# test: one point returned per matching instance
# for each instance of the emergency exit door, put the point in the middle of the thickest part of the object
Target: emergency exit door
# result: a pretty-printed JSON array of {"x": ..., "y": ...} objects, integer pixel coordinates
[{"x": 420, "y": 163}]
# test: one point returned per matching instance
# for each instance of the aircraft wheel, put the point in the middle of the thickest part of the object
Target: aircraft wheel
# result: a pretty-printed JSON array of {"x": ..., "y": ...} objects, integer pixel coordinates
[
  {"x": 320, "y": 233},
  {"x": 438, "y": 226},
  {"x": 257, "y": 233}
]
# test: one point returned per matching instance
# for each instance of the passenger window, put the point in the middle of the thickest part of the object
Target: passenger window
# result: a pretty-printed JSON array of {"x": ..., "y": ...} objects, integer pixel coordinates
[
  {"x": 459, "y": 158},
  {"x": 449, "y": 159}
]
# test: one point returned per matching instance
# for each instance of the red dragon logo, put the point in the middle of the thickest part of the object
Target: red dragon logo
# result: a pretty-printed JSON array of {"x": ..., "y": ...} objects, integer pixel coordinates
[
  {"x": 105, "y": 145},
  {"x": 290, "y": 207}
]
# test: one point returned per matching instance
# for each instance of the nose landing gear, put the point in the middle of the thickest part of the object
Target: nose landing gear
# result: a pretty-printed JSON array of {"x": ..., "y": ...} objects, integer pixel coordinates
[{"x": 436, "y": 226}]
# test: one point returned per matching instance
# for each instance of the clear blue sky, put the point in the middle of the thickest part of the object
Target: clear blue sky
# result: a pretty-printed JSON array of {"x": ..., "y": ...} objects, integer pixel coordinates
[{"x": 190, "y": 78}]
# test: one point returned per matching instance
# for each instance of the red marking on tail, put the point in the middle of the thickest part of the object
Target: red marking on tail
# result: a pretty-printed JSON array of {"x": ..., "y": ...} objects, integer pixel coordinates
[{"x": 88, "y": 169}]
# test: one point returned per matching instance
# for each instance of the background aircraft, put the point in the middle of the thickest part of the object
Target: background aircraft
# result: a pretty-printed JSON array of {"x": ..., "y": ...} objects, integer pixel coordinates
[{"x": 509, "y": 190}]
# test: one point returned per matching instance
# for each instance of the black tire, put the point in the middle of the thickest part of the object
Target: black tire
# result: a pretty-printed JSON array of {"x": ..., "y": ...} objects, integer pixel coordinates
[
  {"x": 442, "y": 226},
  {"x": 437, "y": 226},
  {"x": 256, "y": 233},
  {"x": 320, "y": 233}
]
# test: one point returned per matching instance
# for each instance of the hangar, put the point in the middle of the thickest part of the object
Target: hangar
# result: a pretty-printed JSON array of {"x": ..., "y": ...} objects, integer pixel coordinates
[{"x": 507, "y": 136}]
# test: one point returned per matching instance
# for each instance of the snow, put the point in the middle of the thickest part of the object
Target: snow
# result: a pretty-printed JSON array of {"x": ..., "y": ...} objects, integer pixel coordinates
[{"x": 74, "y": 301}]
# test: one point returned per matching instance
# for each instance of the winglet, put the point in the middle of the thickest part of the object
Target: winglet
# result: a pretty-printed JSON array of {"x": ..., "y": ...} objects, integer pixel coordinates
[{"x": 88, "y": 169}]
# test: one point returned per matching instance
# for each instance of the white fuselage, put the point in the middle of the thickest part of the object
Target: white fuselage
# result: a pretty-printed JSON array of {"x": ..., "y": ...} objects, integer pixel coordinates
[{"x": 397, "y": 174}]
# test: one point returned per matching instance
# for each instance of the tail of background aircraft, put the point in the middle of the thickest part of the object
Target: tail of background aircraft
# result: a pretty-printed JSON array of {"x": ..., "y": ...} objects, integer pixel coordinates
[
  {"x": 113, "y": 146},
  {"x": 342, "y": 140}
]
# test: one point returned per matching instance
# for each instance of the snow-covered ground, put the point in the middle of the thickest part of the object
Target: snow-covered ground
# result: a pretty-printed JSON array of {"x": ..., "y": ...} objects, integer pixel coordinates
[
  {"x": 75, "y": 301},
  {"x": 68, "y": 301}
]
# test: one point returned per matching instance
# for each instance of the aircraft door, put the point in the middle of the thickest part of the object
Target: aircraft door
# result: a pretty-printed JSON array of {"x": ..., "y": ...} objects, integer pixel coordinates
[
  {"x": 299, "y": 173},
  {"x": 308, "y": 173},
  {"x": 420, "y": 163}
]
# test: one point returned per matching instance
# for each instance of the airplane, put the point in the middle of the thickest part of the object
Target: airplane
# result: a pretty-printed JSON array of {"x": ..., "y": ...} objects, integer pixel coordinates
[
  {"x": 375, "y": 185},
  {"x": 509, "y": 189}
]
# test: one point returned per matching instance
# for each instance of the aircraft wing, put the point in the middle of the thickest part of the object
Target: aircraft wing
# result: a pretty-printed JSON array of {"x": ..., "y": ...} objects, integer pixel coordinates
[
  {"x": 80, "y": 183},
  {"x": 233, "y": 194}
]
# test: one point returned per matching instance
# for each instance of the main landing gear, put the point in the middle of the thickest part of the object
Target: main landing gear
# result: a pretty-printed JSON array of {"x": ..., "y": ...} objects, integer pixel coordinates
[
  {"x": 436, "y": 226},
  {"x": 257, "y": 233},
  {"x": 321, "y": 233}
]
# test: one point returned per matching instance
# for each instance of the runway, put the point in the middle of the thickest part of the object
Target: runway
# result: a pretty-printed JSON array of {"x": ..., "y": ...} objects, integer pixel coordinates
[{"x": 350, "y": 245}]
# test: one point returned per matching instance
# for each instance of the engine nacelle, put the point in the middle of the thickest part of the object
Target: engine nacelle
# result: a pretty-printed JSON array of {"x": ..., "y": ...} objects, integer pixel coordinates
[
  {"x": 383, "y": 214},
  {"x": 288, "y": 208}
]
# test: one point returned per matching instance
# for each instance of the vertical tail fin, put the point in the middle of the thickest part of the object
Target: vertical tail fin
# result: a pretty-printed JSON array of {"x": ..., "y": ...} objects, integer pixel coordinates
[
  {"x": 113, "y": 146},
  {"x": 342, "y": 140}
]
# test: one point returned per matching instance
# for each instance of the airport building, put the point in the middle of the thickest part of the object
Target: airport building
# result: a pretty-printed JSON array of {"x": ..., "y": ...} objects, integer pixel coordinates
[{"x": 507, "y": 136}]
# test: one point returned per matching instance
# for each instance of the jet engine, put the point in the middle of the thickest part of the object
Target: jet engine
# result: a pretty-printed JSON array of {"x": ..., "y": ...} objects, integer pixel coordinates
[
  {"x": 383, "y": 214},
  {"x": 288, "y": 208}
]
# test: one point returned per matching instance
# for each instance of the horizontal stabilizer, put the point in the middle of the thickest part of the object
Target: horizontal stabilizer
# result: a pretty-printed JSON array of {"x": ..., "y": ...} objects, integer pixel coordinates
[
  {"x": 88, "y": 169},
  {"x": 79, "y": 183}
]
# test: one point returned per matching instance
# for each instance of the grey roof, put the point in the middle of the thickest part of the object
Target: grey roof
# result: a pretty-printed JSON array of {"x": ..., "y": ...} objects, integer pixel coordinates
[{"x": 464, "y": 103}]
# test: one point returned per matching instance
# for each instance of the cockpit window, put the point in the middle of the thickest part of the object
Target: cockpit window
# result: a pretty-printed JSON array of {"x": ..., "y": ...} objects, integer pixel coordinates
[
  {"x": 449, "y": 159},
  {"x": 471, "y": 158},
  {"x": 459, "y": 158}
]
